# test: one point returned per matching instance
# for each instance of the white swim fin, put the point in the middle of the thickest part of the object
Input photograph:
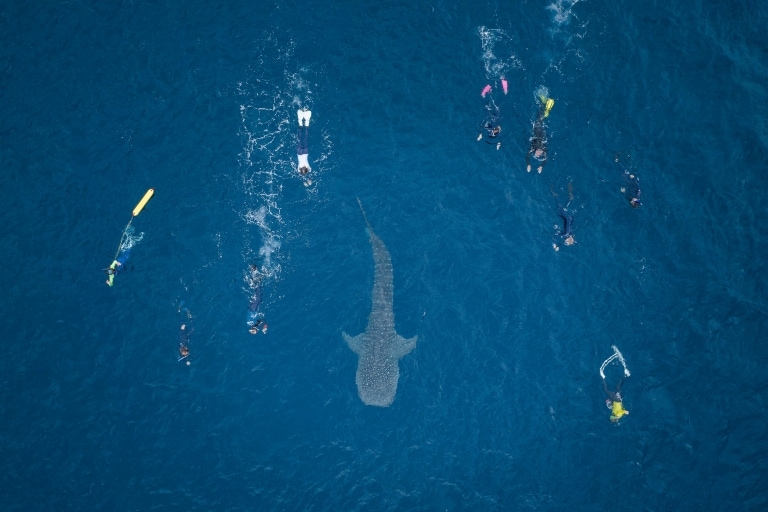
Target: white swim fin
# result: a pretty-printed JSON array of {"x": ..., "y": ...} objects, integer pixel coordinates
[{"x": 304, "y": 115}]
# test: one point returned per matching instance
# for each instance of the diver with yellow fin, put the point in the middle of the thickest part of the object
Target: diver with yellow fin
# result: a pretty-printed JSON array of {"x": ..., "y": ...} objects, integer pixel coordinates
[
  {"x": 615, "y": 401},
  {"x": 127, "y": 241},
  {"x": 538, "y": 148}
]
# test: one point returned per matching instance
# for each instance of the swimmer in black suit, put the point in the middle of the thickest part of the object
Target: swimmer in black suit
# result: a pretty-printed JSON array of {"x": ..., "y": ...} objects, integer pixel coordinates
[
  {"x": 255, "y": 321},
  {"x": 631, "y": 188},
  {"x": 566, "y": 234},
  {"x": 538, "y": 148},
  {"x": 490, "y": 126}
]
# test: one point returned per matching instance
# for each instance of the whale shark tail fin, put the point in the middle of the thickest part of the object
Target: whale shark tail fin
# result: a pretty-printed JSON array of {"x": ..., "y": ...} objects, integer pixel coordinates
[{"x": 364, "y": 215}]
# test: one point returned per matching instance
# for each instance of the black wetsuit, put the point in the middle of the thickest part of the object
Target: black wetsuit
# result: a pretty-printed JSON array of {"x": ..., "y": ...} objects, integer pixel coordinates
[
  {"x": 538, "y": 141},
  {"x": 567, "y": 221},
  {"x": 184, "y": 335},
  {"x": 302, "y": 136},
  {"x": 615, "y": 397},
  {"x": 491, "y": 124},
  {"x": 253, "y": 305},
  {"x": 633, "y": 191}
]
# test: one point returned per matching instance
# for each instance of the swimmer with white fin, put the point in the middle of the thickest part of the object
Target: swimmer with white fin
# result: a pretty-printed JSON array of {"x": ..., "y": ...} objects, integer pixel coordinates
[{"x": 302, "y": 145}]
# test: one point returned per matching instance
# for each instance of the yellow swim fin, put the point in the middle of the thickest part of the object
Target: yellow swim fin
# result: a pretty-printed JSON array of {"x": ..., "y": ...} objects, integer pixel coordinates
[
  {"x": 111, "y": 276},
  {"x": 548, "y": 106}
]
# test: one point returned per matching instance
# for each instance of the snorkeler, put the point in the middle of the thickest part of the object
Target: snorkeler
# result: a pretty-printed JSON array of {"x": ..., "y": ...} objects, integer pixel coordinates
[
  {"x": 184, "y": 335},
  {"x": 127, "y": 241},
  {"x": 302, "y": 143},
  {"x": 615, "y": 402},
  {"x": 538, "y": 148},
  {"x": 490, "y": 125},
  {"x": 117, "y": 265},
  {"x": 631, "y": 188},
  {"x": 255, "y": 321},
  {"x": 566, "y": 234}
]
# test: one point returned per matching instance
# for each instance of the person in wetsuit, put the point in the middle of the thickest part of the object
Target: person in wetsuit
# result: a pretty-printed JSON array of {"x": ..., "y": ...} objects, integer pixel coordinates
[
  {"x": 255, "y": 317},
  {"x": 566, "y": 234},
  {"x": 615, "y": 401},
  {"x": 491, "y": 128},
  {"x": 631, "y": 188},
  {"x": 538, "y": 147},
  {"x": 184, "y": 334},
  {"x": 117, "y": 266}
]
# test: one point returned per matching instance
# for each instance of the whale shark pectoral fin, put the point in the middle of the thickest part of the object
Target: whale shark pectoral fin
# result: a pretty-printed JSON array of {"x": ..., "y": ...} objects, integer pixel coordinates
[
  {"x": 404, "y": 346},
  {"x": 355, "y": 344}
]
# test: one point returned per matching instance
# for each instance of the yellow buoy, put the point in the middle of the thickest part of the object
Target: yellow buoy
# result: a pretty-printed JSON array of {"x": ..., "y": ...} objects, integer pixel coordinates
[{"x": 143, "y": 202}]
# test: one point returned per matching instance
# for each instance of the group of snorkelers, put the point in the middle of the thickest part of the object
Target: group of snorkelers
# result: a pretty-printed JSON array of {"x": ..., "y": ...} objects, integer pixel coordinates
[
  {"x": 537, "y": 151},
  {"x": 255, "y": 320},
  {"x": 255, "y": 277},
  {"x": 491, "y": 125}
]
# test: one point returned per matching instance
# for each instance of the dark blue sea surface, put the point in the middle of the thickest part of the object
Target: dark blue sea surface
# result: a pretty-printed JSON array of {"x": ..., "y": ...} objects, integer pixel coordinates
[{"x": 500, "y": 406}]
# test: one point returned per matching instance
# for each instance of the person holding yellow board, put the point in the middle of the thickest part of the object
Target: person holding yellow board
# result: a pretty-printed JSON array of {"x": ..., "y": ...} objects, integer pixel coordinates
[{"x": 127, "y": 241}]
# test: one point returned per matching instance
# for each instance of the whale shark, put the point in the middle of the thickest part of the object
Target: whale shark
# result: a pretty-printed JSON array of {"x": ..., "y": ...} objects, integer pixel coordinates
[{"x": 379, "y": 347}]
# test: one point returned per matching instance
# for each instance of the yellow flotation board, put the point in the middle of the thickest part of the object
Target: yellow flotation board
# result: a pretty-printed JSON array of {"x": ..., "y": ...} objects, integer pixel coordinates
[{"x": 143, "y": 202}]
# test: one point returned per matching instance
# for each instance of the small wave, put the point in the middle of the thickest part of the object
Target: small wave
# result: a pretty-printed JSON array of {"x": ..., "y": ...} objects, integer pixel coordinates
[
  {"x": 493, "y": 41},
  {"x": 129, "y": 239},
  {"x": 562, "y": 10}
]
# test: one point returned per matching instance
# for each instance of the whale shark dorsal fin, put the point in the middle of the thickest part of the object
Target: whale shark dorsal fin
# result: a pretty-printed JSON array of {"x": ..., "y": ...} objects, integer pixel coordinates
[
  {"x": 405, "y": 346},
  {"x": 355, "y": 344}
]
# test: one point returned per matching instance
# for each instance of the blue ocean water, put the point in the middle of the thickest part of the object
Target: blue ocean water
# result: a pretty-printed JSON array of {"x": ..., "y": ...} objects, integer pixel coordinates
[{"x": 500, "y": 406}]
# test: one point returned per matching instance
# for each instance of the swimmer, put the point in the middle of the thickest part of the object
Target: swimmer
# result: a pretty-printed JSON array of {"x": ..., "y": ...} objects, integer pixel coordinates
[
  {"x": 538, "y": 148},
  {"x": 631, "y": 188},
  {"x": 490, "y": 126},
  {"x": 260, "y": 325},
  {"x": 255, "y": 317},
  {"x": 117, "y": 266},
  {"x": 566, "y": 234},
  {"x": 184, "y": 335},
  {"x": 614, "y": 401},
  {"x": 302, "y": 145}
]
